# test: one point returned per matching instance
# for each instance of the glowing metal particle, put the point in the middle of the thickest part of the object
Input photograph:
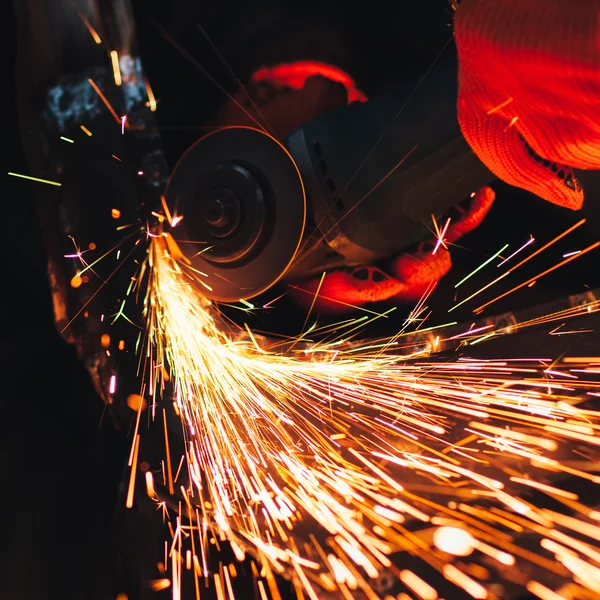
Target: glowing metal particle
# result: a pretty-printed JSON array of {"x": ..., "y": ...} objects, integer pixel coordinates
[
  {"x": 151, "y": 98},
  {"x": 104, "y": 100},
  {"x": 454, "y": 541},
  {"x": 35, "y": 179},
  {"x": 440, "y": 234},
  {"x": 531, "y": 240},
  {"x": 158, "y": 585},
  {"x": 542, "y": 592},
  {"x": 94, "y": 35},
  {"x": 136, "y": 402},
  {"x": 131, "y": 487},
  {"x": 418, "y": 586},
  {"x": 481, "y": 266},
  {"x": 114, "y": 57},
  {"x": 540, "y": 275},
  {"x": 464, "y": 581}
]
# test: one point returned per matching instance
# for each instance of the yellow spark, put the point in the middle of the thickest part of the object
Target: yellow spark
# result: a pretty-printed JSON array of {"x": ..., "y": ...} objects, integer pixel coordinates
[
  {"x": 542, "y": 592},
  {"x": 151, "y": 98},
  {"x": 500, "y": 106},
  {"x": 158, "y": 585},
  {"x": 89, "y": 27},
  {"x": 150, "y": 485},
  {"x": 105, "y": 102},
  {"x": 136, "y": 402},
  {"x": 524, "y": 261},
  {"x": 512, "y": 122},
  {"x": 131, "y": 488},
  {"x": 439, "y": 234},
  {"x": 168, "y": 454},
  {"x": 418, "y": 586},
  {"x": 114, "y": 57},
  {"x": 454, "y": 541},
  {"x": 464, "y": 581},
  {"x": 37, "y": 179}
]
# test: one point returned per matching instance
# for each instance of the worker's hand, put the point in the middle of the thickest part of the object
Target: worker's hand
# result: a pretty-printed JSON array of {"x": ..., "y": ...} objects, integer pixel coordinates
[
  {"x": 529, "y": 91},
  {"x": 407, "y": 277}
]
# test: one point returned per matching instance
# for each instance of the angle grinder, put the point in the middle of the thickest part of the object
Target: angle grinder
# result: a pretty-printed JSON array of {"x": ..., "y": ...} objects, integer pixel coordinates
[{"x": 355, "y": 185}]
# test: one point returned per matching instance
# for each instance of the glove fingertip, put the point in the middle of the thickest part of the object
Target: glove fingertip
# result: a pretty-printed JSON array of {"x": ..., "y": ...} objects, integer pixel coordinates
[
  {"x": 420, "y": 272},
  {"x": 505, "y": 151}
]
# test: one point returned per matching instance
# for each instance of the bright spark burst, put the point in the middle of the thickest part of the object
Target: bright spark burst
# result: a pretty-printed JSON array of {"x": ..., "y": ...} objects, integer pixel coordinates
[{"x": 323, "y": 461}]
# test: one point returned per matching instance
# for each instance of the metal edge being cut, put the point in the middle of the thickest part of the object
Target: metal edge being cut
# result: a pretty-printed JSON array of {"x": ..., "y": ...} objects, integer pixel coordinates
[{"x": 267, "y": 156}]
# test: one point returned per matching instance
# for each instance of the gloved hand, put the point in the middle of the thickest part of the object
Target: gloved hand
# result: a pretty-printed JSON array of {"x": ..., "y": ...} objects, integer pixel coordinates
[
  {"x": 529, "y": 91},
  {"x": 407, "y": 277}
]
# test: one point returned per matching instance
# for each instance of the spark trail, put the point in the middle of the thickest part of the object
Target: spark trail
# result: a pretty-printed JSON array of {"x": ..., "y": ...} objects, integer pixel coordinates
[{"x": 323, "y": 461}]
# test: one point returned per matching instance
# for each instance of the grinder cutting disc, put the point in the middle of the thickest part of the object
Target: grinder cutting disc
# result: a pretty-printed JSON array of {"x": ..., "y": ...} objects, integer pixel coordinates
[{"x": 243, "y": 205}]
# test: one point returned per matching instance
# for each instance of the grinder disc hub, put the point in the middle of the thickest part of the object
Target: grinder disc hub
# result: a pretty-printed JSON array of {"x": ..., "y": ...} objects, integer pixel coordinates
[{"x": 243, "y": 206}]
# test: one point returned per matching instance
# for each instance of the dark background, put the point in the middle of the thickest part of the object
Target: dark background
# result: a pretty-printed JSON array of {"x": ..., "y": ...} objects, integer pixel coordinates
[{"x": 61, "y": 532}]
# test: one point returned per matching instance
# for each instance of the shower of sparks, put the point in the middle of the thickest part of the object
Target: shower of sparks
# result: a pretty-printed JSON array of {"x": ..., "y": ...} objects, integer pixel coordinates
[
  {"x": 482, "y": 265},
  {"x": 520, "y": 264},
  {"x": 534, "y": 279},
  {"x": 323, "y": 460}
]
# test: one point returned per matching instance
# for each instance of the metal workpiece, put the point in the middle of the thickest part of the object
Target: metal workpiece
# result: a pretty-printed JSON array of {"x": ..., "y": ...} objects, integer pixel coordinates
[{"x": 88, "y": 125}]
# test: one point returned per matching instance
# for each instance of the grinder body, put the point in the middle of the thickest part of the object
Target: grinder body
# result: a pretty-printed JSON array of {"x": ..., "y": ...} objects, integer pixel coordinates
[
  {"x": 355, "y": 185},
  {"x": 375, "y": 173}
]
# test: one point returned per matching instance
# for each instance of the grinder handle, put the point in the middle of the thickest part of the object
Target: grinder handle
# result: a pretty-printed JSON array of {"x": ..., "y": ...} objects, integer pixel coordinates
[{"x": 375, "y": 172}]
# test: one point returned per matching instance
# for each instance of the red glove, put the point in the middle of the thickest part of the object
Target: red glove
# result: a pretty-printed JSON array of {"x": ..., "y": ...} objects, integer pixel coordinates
[
  {"x": 529, "y": 91},
  {"x": 409, "y": 275}
]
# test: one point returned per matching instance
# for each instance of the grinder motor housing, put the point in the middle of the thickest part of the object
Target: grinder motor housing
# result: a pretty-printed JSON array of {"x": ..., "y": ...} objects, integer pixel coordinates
[{"x": 365, "y": 179}]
